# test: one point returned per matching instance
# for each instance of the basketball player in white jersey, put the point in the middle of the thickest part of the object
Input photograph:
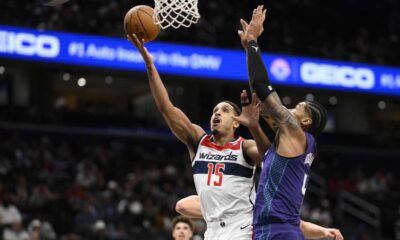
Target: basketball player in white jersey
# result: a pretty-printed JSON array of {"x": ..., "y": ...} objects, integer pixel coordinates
[{"x": 222, "y": 164}]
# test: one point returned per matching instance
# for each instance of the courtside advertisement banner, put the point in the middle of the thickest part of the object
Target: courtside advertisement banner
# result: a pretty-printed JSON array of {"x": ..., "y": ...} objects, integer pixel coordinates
[{"x": 118, "y": 53}]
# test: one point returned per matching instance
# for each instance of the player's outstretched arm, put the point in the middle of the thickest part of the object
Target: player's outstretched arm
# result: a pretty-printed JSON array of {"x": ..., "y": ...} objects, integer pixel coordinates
[
  {"x": 177, "y": 121},
  {"x": 313, "y": 231},
  {"x": 189, "y": 207},
  {"x": 249, "y": 118},
  {"x": 291, "y": 140}
]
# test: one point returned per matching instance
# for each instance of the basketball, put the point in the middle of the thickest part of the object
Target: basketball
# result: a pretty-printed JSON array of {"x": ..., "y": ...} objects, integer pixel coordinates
[{"x": 139, "y": 20}]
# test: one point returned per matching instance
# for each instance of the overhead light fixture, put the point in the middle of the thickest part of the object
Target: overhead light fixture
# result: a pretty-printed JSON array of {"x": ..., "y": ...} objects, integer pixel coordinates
[
  {"x": 81, "y": 82},
  {"x": 66, "y": 76},
  {"x": 382, "y": 105},
  {"x": 333, "y": 100},
  {"x": 108, "y": 80},
  {"x": 310, "y": 97}
]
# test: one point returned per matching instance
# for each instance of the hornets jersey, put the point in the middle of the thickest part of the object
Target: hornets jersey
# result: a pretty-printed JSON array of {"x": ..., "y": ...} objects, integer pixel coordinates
[{"x": 280, "y": 194}]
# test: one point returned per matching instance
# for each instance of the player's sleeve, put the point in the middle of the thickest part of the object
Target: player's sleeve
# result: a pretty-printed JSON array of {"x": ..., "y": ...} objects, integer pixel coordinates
[{"x": 258, "y": 75}]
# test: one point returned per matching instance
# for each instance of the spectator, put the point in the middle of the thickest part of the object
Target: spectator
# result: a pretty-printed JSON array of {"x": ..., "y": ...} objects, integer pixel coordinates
[
  {"x": 34, "y": 230},
  {"x": 100, "y": 230},
  {"x": 9, "y": 214},
  {"x": 41, "y": 230},
  {"x": 182, "y": 228},
  {"x": 86, "y": 176},
  {"x": 84, "y": 220},
  {"x": 16, "y": 232},
  {"x": 41, "y": 194}
]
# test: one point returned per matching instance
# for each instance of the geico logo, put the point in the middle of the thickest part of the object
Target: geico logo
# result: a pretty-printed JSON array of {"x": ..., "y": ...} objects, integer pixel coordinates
[
  {"x": 29, "y": 44},
  {"x": 344, "y": 76}
]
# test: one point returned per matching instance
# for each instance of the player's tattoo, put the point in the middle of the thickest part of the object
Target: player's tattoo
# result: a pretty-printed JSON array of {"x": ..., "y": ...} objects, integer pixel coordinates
[{"x": 272, "y": 106}]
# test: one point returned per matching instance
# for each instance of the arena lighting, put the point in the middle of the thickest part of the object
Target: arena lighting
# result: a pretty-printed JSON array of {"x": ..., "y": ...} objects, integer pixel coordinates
[
  {"x": 2, "y": 70},
  {"x": 108, "y": 80},
  {"x": 310, "y": 97},
  {"x": 81, "y": 82},
  {"x": 333, "y": 100},
  {"x": 180, "y": 90},
  {"x": 286, "y": 100},
  {"x": 66, "y": 76},
  {"x": 382, "y": 105}
]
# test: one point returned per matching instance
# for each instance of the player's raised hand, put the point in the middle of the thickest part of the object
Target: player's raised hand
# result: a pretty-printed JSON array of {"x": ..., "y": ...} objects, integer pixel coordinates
[
  {"x": 242, "y": 32},
  {"x": 148, "y": 59},
  {"x": 250, "y": 110},
  {"x": 255, "y": 27}
]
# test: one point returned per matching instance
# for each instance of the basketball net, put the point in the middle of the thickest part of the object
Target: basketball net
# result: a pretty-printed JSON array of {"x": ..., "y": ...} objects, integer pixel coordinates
[{"x": 175, "y": 13}]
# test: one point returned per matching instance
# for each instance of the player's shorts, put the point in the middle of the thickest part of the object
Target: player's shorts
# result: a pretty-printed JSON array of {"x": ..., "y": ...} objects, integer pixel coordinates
[
  {"x": 278, "y": 232},
  {"x": 239, "y": 227}
]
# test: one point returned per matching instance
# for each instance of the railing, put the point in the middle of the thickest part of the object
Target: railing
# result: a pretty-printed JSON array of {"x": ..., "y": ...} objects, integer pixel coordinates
[{"x": 362, "y": 210}]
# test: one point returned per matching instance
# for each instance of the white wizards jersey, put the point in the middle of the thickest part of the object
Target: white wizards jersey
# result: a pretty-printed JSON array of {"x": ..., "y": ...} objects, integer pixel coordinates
[{"x": 223, "y": 179}]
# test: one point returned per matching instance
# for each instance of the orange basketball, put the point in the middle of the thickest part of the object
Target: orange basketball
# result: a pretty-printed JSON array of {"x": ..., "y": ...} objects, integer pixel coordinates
[{"x": 139, "y": 20}]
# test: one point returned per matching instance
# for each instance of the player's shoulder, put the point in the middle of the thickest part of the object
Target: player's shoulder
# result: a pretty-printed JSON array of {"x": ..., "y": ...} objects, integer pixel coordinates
[
  {"x": 198, "y": 131},
  {"x": 206, "y": 137},
  {"x": 198, "y": 135},
  {"x": 247, "y": 143}
]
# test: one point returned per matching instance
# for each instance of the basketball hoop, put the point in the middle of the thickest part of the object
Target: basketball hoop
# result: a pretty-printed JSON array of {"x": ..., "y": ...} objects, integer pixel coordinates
[{"x": 175, "y": 13}]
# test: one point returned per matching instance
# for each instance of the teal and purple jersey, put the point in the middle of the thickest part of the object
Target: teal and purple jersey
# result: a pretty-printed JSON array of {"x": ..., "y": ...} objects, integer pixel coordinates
[{"x": 280, "y": 193}]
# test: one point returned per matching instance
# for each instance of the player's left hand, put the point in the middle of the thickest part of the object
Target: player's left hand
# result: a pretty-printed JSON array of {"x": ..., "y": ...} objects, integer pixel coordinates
[
  {"x": 148, "y": 59},
  {"x": 333, "y": 234},
  {"x": 255, "y": 28},
  {"x": 250, "y": 110},
  {"x": 242, "y": 32}
]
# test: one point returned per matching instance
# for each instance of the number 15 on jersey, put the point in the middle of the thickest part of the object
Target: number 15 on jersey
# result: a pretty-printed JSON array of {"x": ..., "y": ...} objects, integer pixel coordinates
[{"x": 218, "y": 175}]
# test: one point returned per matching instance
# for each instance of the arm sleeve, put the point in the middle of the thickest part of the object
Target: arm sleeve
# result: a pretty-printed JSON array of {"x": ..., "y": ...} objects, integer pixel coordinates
[{"x": 258, "y": 75}]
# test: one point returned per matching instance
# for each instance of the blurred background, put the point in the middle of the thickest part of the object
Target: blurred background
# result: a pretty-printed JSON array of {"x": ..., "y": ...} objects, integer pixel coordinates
[{"x": 84, "y": 153}]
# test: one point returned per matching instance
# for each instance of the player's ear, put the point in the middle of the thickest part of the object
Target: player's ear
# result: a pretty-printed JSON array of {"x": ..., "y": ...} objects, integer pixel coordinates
[
  {"x": 306, "y": 121},
  {"x": 236, "y": 124}
]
